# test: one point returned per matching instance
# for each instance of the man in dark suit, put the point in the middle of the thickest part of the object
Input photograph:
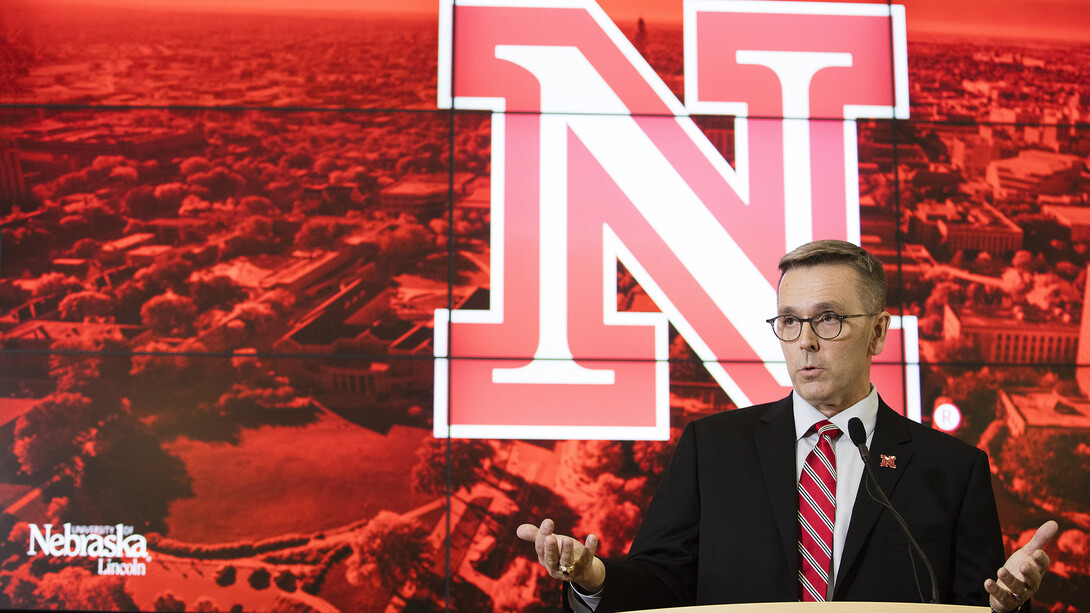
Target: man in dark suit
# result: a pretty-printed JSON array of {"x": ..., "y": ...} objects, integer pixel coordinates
[{"x": 738, "y": 517}]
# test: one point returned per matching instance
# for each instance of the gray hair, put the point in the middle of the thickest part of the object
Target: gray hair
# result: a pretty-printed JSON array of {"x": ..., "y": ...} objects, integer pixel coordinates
[{"x": 872, "y": 277}]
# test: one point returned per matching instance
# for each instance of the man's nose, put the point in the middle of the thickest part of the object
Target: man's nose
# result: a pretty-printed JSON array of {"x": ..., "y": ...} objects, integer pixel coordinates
[{"x": 809, "y": 339}]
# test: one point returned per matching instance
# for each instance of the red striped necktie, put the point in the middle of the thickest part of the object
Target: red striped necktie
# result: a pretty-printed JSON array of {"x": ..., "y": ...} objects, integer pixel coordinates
[{"x": 817, "y": 510}]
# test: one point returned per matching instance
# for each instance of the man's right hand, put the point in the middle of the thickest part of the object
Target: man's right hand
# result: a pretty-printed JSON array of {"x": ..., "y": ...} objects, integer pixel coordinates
[{"x": 557, "y": 553}]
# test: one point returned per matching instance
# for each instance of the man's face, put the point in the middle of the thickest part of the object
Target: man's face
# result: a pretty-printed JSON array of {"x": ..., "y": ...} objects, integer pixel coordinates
[{"x": 832, "y": 374}]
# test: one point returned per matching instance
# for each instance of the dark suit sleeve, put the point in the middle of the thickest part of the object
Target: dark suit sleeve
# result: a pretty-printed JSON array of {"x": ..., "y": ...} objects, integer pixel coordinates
[
  {"x": 978, "y": 546},
  {"x": 660, "y": 570}
]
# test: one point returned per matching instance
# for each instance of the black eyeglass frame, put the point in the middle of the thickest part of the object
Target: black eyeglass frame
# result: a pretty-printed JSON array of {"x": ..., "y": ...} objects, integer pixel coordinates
[{"x": 810, "y": 320}]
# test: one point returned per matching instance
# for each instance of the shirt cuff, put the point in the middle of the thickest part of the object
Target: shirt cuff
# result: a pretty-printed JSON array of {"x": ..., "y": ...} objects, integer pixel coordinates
[{"x": 582, "y": 602}]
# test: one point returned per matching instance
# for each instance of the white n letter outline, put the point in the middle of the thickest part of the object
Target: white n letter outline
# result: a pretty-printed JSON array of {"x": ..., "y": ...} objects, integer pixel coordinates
[{"x": 795, "y": 70}]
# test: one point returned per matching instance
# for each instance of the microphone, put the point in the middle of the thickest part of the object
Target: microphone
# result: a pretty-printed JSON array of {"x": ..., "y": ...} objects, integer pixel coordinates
[{"x": 858, "y": 434}]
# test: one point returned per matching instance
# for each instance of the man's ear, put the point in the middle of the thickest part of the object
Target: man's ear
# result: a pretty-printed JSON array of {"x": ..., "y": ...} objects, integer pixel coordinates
[{"x": 879, "y": 332}]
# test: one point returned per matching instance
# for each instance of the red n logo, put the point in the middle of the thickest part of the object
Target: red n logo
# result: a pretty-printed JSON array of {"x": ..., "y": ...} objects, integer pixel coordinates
[{"x": 595, "y": 161}]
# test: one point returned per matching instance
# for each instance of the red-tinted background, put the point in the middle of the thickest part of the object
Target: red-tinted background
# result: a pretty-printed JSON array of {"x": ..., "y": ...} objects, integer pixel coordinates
[{"x": 225, "y": 233}]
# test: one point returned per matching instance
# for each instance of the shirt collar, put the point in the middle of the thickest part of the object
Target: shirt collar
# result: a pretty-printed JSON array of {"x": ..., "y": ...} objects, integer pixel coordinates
[{"x": 806, "y": 415}]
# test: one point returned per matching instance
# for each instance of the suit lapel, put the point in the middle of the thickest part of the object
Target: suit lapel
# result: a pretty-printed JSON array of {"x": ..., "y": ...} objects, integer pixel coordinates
[
  {"x": 775, "y": 443},
  {"x": 891, "y": 438}
]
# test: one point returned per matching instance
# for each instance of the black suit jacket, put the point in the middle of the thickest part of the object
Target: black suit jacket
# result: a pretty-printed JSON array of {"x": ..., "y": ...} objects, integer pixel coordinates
[{"x": 723, "y": 527}]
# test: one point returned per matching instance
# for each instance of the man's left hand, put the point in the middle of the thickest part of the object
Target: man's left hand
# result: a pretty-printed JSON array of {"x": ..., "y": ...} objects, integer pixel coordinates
[{"x": 1021, "y": 575}]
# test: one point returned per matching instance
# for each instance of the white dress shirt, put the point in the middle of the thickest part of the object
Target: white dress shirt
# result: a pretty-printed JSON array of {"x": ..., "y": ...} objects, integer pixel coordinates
[{"x": 849, "y": 471}]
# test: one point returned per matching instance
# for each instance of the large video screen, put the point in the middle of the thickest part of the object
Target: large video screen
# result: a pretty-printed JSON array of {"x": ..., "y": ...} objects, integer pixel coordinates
[{"x": 307, "y": 305}]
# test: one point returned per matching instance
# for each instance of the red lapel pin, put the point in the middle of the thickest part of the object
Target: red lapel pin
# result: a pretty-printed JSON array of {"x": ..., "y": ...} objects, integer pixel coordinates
[{"x": 889, "y": 461}]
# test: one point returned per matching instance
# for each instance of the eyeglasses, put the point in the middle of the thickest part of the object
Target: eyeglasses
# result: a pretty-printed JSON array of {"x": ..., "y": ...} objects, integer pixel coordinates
[{"x": 827, "y": 325}]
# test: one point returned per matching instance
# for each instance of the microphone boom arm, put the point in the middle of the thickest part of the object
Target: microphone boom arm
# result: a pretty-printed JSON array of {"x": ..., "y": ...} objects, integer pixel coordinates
[{"x": 859, "y": 438}]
